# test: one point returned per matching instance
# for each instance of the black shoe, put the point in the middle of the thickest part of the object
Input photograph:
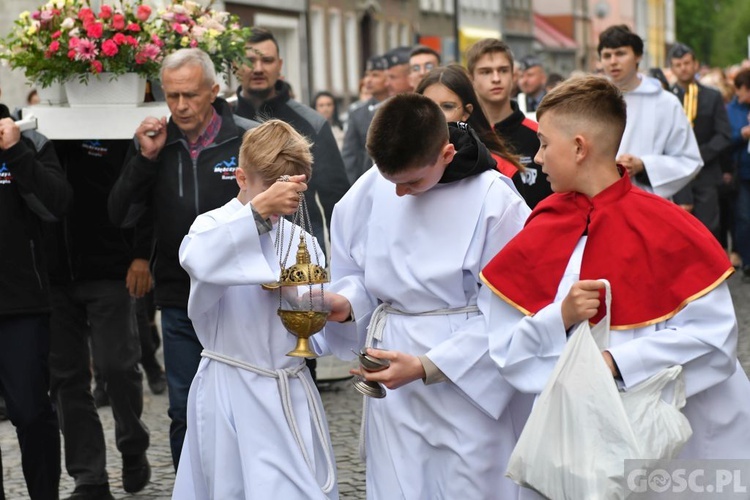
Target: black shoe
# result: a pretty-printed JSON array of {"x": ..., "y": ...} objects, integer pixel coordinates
[
  {"x": 157, "y": 381},
  {"x": 136, "y": 472},
  {"x": 91, "y": 492},
  {"x": 100, "y": 397}
]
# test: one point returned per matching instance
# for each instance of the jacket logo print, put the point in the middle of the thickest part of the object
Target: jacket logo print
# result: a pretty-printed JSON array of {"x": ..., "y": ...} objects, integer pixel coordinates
[
  {"x": 5, "y": 176},
  {"x": 529, "y": 176},
  {"x": 226, "y": 168}
]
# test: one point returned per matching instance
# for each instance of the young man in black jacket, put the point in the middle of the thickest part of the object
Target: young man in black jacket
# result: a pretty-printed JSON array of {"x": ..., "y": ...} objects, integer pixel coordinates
[
  {"x": 176, "y": 171},
  {"x": 490, "y": 65},
  {"x": 264, "y": 95},
  {"x": 32, "y": 189}
]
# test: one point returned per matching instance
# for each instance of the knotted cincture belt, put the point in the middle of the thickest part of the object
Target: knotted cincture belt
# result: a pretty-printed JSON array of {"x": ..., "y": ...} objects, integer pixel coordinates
[
  {"x": 375, "y": 332},
  {"x": 282, "y": 376}
]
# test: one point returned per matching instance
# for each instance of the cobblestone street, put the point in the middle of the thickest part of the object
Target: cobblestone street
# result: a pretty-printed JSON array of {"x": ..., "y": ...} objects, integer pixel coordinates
[{"x": 343, "y": 406}]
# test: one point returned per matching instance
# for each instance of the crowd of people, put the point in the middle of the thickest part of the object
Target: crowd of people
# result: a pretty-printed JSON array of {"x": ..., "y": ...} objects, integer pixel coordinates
[{"x": 467, "y": 215}]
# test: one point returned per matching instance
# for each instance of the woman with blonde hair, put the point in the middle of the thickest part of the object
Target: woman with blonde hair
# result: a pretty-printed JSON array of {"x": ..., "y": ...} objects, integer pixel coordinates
[{"x": 256, "y": 427}]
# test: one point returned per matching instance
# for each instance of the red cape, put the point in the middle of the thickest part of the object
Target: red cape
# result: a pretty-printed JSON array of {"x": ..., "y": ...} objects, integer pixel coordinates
[{"x": 657, "y": 256}]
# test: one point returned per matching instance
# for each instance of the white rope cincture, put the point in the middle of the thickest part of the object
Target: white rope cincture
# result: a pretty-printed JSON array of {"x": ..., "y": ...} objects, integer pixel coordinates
[
  {"x": 375, "y": 332},
  {"x": 282, "y": 376}
]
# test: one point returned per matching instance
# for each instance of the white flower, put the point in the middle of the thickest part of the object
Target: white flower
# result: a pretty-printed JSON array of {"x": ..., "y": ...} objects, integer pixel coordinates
[{"x": 67, "y": 23}]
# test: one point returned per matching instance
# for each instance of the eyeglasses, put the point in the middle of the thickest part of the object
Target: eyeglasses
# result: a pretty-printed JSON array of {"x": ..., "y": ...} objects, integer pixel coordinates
[
  {"x": 416, "y": 68},
  {"x": 449, "y": 107}
]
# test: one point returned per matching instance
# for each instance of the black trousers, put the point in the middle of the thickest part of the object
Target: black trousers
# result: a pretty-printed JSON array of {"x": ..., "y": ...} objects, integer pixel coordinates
[
  {"x": 104, "y": 310},
  {"x": 24, "y": 382}
]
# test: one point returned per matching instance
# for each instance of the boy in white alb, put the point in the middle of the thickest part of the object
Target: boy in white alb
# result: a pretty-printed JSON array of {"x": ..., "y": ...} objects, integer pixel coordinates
[
  {"x": 256, "y": 429},
  {"x": 670, "y": 302},
  {"x": 408, "y": 242}
]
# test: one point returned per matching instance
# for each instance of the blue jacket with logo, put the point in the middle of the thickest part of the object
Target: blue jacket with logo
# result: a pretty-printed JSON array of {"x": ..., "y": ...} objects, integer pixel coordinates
[
  {"x": 174, "y": 190},
  {"x": 32, "y": 189}
]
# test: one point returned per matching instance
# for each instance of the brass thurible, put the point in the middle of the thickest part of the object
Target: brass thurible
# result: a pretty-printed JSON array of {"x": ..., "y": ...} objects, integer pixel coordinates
[{"x": 302, "y": 306}]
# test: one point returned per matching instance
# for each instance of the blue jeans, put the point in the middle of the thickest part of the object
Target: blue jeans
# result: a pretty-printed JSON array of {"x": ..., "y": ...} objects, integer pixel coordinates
[
  {"x": 742, "y": 221},
  {"x": 182, "y": 354}
]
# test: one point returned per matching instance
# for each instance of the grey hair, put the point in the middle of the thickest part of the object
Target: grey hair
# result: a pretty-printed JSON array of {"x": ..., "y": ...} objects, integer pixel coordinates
[{"x": 192, "y": 56}]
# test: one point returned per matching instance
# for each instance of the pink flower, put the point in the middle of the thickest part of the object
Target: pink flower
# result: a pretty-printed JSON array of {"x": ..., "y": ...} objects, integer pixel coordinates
[
  {"x": 86, "y": 50},
  {"x": 129, "y": 40},
  {"x": 73, "y": 42},
  {"x": 193, "y": 43},
  {"x": 109, "y": 48},
  {"x": 182, "y": 18},
  {"x": 105, "y": 12},
  {"x": 177, "y": 27},
  {"x": 150, "y": 52},
  {"x": 47, "y": 16},
  {"x": 156, "y": 40},
  {"x": 94, "y": 30},
  {"x": 96, "y": 67},
  {"x": 71, "y": 54},
  {"x": 36, "y": 15},
  {"x": 54, "y": 47},
  {"x": 56, "y": 34},
  {"x": 143, "y": 13},
  {"x": 133, "y": 27},
  {"x": 119, "y": 38},
  {"x": 118, "y": 22}
]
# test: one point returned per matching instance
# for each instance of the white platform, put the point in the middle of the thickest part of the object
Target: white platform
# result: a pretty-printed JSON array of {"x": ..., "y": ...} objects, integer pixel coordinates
[{"x": 111, "y": 122}]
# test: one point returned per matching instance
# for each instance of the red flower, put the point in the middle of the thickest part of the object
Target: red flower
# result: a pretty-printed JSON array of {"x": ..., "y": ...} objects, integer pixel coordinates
[
  {"x": 118, "y": 22},
  {"x": 96, "y": 67},
  {"x": 143, "y": 13},
  {"x": 129, "y": 40},
  {"x": 71, "y": 54},
  {"x": 94, "y": 30},
  {"x": 109, "y": 48},
  {"x": 119, "y": 38},
  {"x": 56, "y": 35},
  {"x": 54, "y": 47},
  {"x": 105, "y": 12},
  {"x": 133, "y": 27},
  {"x": 85, "y": 14}
]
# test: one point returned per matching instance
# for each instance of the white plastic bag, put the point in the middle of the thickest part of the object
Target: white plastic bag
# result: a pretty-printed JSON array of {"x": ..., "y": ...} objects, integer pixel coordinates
[
  {"x": 660, "y": 427},
  {"x": 580, "y": 431}
]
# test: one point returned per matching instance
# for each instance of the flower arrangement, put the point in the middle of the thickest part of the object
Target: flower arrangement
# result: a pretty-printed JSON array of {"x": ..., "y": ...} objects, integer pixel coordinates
[
  {"x": 185, "y": 23},
  {"x": 66, "y": 39}
]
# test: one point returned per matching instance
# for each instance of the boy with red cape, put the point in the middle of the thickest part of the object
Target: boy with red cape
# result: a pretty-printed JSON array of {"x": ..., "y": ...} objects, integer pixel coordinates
[{"x": 671, "y": 303}]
